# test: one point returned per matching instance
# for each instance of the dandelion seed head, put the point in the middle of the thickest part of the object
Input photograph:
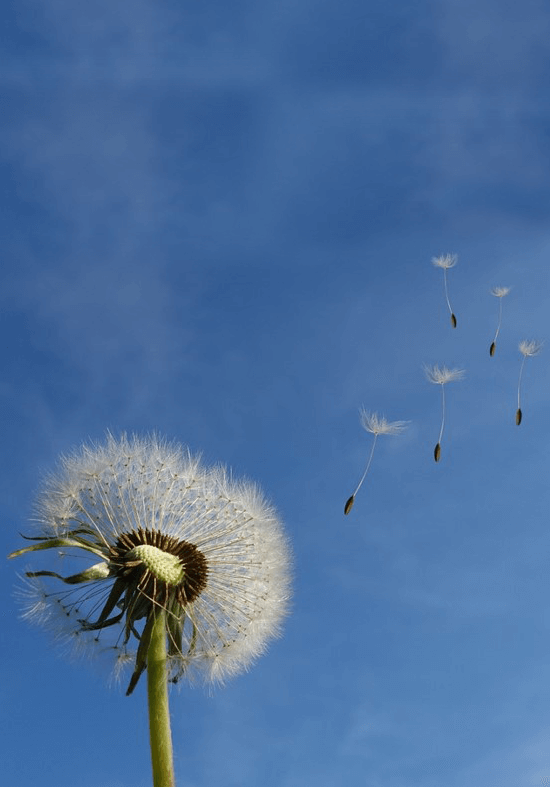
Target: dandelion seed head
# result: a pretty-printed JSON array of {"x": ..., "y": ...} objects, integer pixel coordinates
[
  {"x": 169, "y": 532},
  {"x": 500, "y": 292},
  {"x": 530, "y": 348},
  {"x": 445, "y": 261},
  {"x": 376, "y": 424},
  {"x": 442, "y": 375}
]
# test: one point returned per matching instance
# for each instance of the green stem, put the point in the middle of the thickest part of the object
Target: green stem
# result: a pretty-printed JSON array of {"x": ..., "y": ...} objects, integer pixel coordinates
[{"x": 159, "y": 713}]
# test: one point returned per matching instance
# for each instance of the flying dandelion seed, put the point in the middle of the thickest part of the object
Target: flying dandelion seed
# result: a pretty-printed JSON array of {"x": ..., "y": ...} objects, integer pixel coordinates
[
  {"x": 442, "y": 376},
  {"x": 446, "y": 261},
  {"x": 500, "y": 293},
  {"x": 193, "y": 577},
  {"x": 376, "y": 425},
  {"x": 527, "y": 350}
]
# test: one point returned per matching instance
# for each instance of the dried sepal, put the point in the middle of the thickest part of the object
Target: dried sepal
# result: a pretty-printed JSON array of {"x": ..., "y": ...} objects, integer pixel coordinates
[
  {"x": 91, "y": 574},
  {"x": 56, "y": 543},
  {"x": 141, "y": 655}
]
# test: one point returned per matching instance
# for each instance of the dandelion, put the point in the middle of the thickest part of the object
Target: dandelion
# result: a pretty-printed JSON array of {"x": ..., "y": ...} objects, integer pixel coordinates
[
  {"x": 376, "y": 425},
  {"x": 442, "y": 377},
  {"x": 446, "y": 261},
  {"x": 193, "y": 571},
  {"x": 500, "y": 293},
  {"x": 528, "y": 350}
]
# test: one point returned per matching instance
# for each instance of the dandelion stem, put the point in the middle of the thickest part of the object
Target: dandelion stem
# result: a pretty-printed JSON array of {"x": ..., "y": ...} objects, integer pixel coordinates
[
  {"x": 367, "y": 467},
  {"x": 159, "y": 714},
  {"x": 499, "y": 320},
  {"x": 453, "y": 318},
  {"x": 442, "y": 413},
  {"x": 519, "y": 414},
  {"x": 520, "y": 376},
  {"x": 446, "y": 290}
]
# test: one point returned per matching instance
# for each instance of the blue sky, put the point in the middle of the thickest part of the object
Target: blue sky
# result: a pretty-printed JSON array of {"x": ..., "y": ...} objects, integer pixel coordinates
[{"x": 217, "y": 223}]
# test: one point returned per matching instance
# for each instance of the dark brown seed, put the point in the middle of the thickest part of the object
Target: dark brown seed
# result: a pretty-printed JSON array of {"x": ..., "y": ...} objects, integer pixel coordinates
[
  {"x": 518, "y": 416},
  {"x": 349, "y": 504},
  {"x": 453, "y": 320},
  {"x": 437, "y": 452},
  {"x": 492, "y": 349}
]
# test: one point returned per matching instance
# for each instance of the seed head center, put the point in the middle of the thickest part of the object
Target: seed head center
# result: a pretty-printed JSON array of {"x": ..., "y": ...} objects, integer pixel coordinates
[{"x": 165, "y": 566}]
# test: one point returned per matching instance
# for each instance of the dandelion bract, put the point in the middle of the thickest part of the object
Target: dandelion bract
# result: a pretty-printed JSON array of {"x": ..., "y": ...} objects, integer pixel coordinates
[{"x": 376, "y": 425}]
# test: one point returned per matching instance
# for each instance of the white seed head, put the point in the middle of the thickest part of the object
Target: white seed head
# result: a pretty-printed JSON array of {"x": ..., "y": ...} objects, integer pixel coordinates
[
  {"x": 140, "y": 504},
  {"x": 445, "y": 261},
  {"x": 530, "y": 348},
  {"x": 500, "y": 292},
  {"x": 376, "y": 424},
  {"x": 442, "y": 375}
]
